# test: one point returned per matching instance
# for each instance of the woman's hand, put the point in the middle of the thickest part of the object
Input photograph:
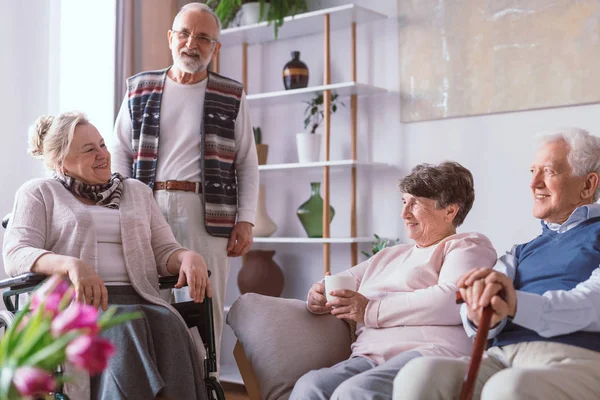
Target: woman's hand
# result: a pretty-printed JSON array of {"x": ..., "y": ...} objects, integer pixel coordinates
[
  {"x": 348, "y": 304},
  {"x": 316, "y": 299},
  {"x": 89, "y": 287},
  {"x": 194, "y": 272}
]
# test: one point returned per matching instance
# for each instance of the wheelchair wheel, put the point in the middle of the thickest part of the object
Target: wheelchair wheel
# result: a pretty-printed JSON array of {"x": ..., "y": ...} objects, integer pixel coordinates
[
  {"x": 6, "y": 320},
  {"x": 215, "y": 391}
]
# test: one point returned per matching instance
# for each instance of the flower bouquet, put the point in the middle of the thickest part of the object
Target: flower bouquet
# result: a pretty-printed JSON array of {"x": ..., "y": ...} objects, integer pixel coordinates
[{"x": 50, "y": 330}]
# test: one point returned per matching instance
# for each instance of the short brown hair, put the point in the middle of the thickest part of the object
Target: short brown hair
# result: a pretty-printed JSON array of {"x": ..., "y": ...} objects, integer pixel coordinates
[{"x": 446, "y": 183}]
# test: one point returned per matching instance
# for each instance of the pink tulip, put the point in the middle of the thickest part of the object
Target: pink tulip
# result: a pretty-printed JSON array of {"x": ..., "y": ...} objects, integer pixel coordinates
[
  {"x": 90, "y": 353},
  {"x": 50, "y": 293},
  {"x": 76, "y": 316},
  {"x": 32, "y": 380}
]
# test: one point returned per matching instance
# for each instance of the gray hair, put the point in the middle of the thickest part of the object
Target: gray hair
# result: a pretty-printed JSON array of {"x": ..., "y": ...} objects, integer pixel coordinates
[
  {"x": 50, "y": 138},
  {"x": 446, "y": 183},
  {"x": 584, "y": 150},
  {"x": 199, "y": 7}
]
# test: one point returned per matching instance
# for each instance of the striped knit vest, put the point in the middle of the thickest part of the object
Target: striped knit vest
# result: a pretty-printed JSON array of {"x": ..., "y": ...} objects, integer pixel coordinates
[{"x": 221, "y": 106}]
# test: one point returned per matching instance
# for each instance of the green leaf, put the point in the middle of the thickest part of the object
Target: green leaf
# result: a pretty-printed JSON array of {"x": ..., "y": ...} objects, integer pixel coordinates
[
  {"x": 8, "y": 340},
  {"x": 49, "y": 353},
  {"x": 119, "y": 319}
]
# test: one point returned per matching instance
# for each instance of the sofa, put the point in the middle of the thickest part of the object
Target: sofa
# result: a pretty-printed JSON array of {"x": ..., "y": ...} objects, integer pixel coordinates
[{"x": 279, "y": 340}]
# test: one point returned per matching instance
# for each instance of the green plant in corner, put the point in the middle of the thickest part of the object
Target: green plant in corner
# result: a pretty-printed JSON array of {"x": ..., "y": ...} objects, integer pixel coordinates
[
  {"x": 378, "y": 245},
  {"x": 314, "y": 111},
  {"x": 274, "y": 14},
  {"x": 257, "y": 134}
]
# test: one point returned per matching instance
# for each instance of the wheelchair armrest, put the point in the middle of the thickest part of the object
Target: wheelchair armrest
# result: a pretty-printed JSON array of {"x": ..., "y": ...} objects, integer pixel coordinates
[
  {"x": 168, "y": 282},
  {"x": 30, "y": 279}
]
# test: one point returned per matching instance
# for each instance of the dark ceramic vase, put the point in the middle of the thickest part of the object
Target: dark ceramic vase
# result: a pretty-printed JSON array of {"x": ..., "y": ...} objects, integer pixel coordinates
[
  {"x": 310, "y": 212},
  {"x": 260, "y": 274},
  {"x": 295, "y": 73}
]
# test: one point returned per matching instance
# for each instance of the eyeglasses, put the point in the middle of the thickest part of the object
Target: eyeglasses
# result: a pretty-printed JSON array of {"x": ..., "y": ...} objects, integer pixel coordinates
[{"x": 203, "y": 40}]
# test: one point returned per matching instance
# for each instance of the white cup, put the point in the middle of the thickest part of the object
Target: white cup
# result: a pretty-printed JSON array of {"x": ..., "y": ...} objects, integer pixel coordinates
[{"x": 339, "y": 282}]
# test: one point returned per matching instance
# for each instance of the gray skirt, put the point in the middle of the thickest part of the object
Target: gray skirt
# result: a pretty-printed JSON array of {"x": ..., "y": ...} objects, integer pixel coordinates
[{"x": 153, "y": 357}]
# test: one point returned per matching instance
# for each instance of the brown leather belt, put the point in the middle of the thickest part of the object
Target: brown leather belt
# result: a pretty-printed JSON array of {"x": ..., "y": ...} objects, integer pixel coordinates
[{"x": 184, "y": 186}]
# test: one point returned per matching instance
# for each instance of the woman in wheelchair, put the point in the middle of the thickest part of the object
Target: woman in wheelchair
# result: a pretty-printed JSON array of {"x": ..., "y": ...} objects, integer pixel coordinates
[{"x": 107, "y": 235}]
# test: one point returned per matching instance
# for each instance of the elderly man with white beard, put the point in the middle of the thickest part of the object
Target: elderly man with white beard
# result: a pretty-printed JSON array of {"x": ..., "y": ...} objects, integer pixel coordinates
[{"x": 186, "y": 132}]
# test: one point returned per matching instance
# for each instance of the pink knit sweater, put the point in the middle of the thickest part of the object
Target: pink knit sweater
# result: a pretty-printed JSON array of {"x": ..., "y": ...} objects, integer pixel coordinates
[{"x": 412, "y": 297}]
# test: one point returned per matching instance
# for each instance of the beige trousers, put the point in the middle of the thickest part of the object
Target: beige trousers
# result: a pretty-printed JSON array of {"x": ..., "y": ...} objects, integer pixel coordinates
[
  {"x": 184, "y": 212},
  {"x": 532, "y": 370}
]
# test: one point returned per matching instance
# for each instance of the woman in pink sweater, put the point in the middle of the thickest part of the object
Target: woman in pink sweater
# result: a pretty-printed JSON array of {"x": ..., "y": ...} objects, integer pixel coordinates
[{"x": 404, "y": 306}]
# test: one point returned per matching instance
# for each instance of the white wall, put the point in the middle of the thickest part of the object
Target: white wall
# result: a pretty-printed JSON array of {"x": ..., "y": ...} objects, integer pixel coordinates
[
  {"x": 25, "y": 73},
  {"x": 55, "y": 58}
]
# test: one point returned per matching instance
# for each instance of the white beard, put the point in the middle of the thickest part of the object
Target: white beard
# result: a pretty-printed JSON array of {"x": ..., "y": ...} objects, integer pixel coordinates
[{"x": 189, "y": 65}]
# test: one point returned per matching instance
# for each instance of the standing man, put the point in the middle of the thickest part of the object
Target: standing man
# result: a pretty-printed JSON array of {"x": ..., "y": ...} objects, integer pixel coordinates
[{"x": 186, "y": 133}]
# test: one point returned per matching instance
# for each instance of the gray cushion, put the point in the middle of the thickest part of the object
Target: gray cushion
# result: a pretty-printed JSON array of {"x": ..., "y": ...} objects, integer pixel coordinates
[{"x": 283, "y": 340}]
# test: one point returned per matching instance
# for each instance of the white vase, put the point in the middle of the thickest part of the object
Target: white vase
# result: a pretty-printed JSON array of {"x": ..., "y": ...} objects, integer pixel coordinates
[
  {"x": 263, "y": 225},
  {"x": 251, "y": 12},
  {"x": 309, "y": 147}
]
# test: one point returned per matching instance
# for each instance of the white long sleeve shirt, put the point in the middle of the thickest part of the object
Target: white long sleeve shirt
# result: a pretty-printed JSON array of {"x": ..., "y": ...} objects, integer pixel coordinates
[
  {"x": 556, "y": 312},
  {"x": 179, "y": 149}
]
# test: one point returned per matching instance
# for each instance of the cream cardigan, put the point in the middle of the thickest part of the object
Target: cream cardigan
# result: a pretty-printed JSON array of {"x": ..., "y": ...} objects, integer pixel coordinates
[{"x": 47, "y": 218}]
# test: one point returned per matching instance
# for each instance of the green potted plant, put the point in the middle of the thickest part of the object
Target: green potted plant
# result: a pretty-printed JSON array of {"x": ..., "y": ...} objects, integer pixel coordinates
[
  {"x": 262, "y": 150},
  {"x": 378, "y": 245},
  {"x": 309, "y": 143},
  {"x": 272, "y": 11}
]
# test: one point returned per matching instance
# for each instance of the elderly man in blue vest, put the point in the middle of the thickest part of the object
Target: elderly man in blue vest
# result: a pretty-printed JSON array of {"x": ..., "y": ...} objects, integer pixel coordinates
[
  {"x": 545, "y": 294},
  {"x": 186, "y": 132}
]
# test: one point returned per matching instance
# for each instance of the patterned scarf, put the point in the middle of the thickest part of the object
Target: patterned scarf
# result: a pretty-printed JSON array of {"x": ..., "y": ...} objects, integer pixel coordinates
[{"x": 106, "y": 194}]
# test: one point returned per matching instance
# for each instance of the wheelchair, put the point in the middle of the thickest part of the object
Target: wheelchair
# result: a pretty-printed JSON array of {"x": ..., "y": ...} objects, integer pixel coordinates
[{"x": 199, "y": 315}]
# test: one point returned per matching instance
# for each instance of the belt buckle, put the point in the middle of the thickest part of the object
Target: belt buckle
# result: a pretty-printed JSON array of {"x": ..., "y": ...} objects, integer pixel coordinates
[{"x": 167, "y": 183}]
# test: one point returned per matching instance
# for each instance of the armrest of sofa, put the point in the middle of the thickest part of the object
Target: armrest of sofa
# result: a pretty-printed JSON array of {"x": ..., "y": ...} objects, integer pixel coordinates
[{"x": 282, "y": 340}]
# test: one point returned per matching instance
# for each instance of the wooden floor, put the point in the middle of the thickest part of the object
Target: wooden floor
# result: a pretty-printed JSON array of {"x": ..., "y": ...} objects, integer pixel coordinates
[{"x": 234, "y": 392}]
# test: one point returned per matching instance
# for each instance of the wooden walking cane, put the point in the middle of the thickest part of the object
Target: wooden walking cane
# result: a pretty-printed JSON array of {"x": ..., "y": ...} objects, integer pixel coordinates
[{"x": 470, "y": 378}]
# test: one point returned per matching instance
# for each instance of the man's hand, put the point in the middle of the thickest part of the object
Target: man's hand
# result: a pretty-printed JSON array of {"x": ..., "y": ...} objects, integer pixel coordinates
[
  {"x": 240, "y": 239},
  {"x": 348, "y": 304},
  {"x": 484, "y": 286},
  {"x": 194, "y": 272}
]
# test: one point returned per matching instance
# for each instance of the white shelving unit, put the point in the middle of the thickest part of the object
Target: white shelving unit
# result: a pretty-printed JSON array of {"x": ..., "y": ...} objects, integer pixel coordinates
[
  {"x": 305, "y": 24},
  {"x": 343, "y": 89},
  {"x": 321, "y": 164},
  {"x": 347, "y": 240},
  {"x": 317, "y": 22}
]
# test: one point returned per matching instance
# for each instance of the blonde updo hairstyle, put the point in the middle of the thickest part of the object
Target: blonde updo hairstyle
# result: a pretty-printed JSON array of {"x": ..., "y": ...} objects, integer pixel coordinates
[{"x": 50, "y": 138}]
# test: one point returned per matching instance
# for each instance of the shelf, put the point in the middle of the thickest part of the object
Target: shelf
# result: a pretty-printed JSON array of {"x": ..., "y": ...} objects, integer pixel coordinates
[
  {"x": 300, "y": 25},
  {"x": 320, "y": 164},
  {"x": 312, "y": 240},
  {"x": 343, "y": 89}
]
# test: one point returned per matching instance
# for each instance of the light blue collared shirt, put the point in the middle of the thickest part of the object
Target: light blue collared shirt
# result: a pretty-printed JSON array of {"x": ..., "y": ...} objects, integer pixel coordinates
[{"x": 556, "y": 312}]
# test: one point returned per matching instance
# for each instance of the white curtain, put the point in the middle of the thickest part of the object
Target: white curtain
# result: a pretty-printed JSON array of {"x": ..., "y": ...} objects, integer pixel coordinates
[{"x": 141, "y": 39}]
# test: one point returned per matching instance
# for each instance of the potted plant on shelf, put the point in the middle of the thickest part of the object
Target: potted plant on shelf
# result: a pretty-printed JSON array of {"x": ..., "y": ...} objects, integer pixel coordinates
[
  {"x": 262, "y": 150},
  {"x": 309, "y": 143},
  {"x": 378, "y": 245},
  {"x": 254, "y": 11}
]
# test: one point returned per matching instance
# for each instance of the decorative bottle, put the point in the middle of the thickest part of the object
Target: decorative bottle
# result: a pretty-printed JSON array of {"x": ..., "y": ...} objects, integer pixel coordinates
[
  {"x": 310, "y": 212},
  {"x": 295, "y": 73}
]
